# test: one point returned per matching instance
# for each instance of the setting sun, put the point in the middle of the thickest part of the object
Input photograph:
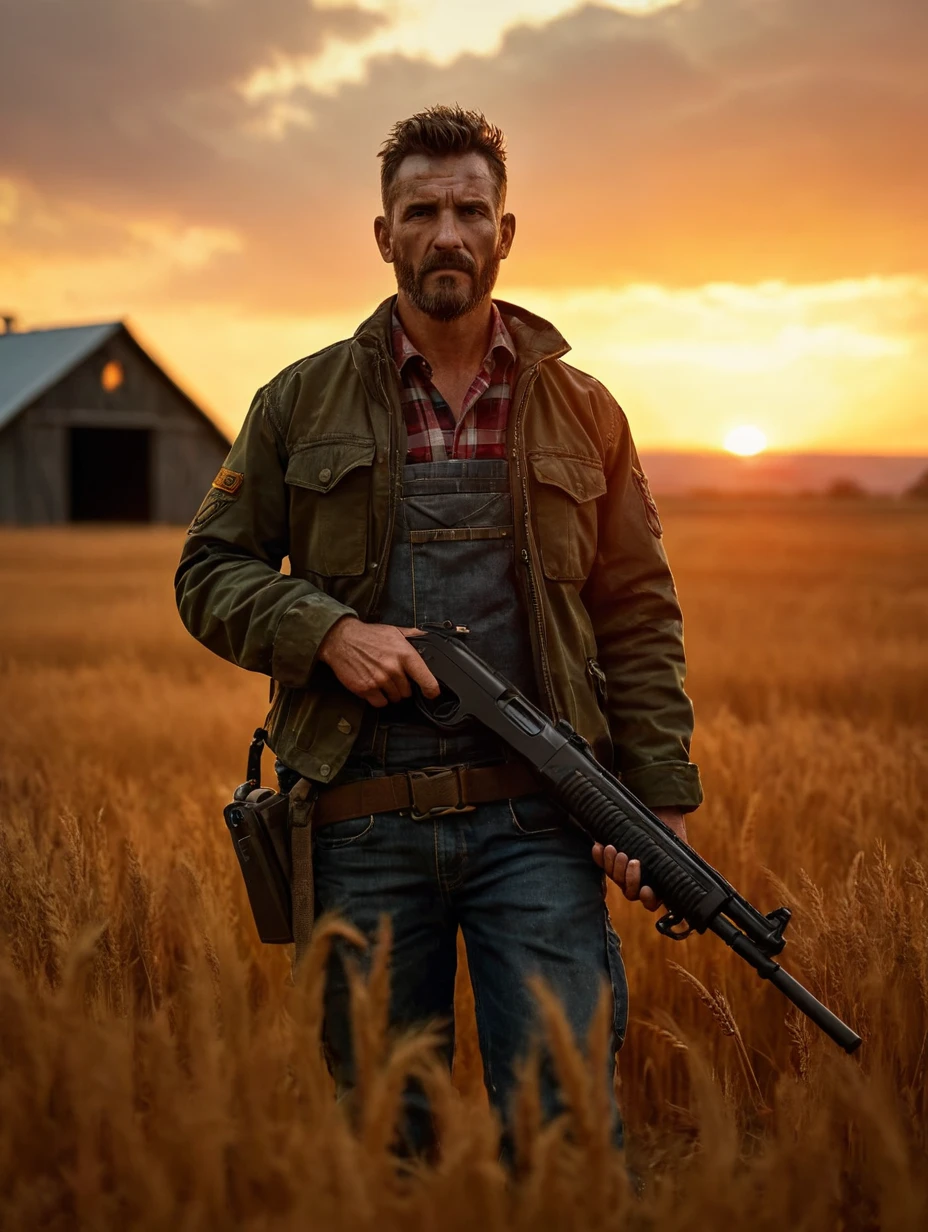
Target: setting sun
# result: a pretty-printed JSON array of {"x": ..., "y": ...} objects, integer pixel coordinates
[{"x": 746, "y": 441}]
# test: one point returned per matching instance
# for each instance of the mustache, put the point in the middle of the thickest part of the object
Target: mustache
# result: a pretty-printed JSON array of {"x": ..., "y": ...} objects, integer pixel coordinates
[{"x": 447, "y": 261}]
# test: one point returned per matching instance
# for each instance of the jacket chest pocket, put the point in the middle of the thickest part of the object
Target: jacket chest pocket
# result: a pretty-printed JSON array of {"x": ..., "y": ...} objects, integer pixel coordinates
[
  {"x": 564, "y": 492},
  {"x": 329, "y": 484}
]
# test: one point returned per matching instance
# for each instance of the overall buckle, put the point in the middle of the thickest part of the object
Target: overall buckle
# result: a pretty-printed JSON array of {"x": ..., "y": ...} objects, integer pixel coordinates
[{"x": 436, "y": 791}]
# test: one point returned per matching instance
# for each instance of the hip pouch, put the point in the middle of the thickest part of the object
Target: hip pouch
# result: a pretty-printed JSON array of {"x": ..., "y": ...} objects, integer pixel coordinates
[{"x": 259, "y": 825}]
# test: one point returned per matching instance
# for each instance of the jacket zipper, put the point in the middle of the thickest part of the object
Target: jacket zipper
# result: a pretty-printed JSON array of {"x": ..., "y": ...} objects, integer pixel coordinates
[
  {"x": 538, "y": 625},
  {"x": 393, "y": 454}
]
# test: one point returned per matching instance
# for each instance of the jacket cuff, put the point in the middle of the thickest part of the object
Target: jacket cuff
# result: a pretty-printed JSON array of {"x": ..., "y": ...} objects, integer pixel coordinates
[
  {"x": 300, "y": 633},
  {"x": 666, "y": 784}
]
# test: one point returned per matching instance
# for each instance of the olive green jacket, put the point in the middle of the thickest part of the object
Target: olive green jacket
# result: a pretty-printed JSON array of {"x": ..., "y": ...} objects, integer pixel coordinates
[{"x": 315, "y": 475}]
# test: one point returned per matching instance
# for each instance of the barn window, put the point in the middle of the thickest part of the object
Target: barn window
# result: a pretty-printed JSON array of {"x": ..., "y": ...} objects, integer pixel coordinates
[{"x": 112, "y": 375}]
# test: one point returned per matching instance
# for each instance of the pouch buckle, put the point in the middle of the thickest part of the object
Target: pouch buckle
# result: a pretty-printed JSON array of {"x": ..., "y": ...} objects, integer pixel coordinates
[{"x": 436, "y": 791}]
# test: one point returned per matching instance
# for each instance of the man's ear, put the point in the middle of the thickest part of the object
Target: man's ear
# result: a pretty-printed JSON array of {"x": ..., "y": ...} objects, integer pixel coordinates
[
  {"x": 384, "y": 238},
  {"x": 507, "y": 233}
]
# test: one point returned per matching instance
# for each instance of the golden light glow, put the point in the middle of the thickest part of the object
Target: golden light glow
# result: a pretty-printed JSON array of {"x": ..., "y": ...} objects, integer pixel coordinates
[
  {"x": 812, "y": 359},
  {"x": 112, "y": 375},
  {"x": 685, "y": 364},
  {"x": 746, "y": 441}
]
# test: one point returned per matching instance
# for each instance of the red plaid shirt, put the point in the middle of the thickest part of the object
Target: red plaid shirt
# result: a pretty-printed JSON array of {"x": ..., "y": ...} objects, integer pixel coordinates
[{"x": 430, "y": 426}]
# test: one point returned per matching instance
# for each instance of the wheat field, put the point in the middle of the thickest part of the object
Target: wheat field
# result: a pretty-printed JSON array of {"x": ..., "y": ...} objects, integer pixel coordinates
[{"x": 160, "y": 1069}]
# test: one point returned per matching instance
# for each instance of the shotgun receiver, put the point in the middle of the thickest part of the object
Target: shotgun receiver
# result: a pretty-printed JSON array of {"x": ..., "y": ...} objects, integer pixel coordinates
[{"x": 696, "y": 896}]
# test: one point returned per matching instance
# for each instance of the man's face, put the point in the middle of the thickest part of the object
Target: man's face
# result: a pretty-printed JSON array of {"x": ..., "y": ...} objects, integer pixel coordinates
[{"x": 445, "y": 233}]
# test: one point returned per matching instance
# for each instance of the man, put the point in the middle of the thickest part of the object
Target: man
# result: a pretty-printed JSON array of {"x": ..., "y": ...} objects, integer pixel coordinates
[{"x": 446, "y": 465}]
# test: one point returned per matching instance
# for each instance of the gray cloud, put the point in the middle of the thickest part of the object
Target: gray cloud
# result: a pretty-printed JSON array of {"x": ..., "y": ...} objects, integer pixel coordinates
[
  {"x": 729, "y": 139},
  {"x": 130, "y": 101}
]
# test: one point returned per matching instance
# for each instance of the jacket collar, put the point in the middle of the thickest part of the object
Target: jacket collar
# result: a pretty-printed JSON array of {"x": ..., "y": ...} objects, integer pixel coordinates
[{"x": 535, "y": 338}]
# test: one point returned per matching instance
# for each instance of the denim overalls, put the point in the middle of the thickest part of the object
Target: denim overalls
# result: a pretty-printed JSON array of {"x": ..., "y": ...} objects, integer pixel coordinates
[{"x": 518, "y": 881}]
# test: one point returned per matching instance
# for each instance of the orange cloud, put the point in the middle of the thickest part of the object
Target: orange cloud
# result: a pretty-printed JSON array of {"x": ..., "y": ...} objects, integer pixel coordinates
[{"x": 721, "y": 142}]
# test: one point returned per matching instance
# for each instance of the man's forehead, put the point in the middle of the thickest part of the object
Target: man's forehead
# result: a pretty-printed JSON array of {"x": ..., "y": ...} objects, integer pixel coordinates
[{"x": 424, "y": 173}]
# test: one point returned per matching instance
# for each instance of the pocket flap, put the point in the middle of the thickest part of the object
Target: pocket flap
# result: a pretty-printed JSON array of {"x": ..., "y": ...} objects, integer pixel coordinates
[
  {"x": 323, "y": 464},
  {"x": 581, "y": 478}
]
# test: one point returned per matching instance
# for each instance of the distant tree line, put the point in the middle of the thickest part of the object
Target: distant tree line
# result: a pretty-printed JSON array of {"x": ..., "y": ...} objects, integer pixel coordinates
[
  {"x": 850, "y": 489},
  {"x": 919, "y": 489}
]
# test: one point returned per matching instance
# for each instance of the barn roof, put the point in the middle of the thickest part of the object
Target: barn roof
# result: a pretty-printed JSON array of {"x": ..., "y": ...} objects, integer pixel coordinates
[{"x": 33, "y": 361}]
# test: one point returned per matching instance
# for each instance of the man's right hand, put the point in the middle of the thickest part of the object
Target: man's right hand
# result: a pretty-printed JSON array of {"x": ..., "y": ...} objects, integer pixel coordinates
[{"x": 376, "y": 662}]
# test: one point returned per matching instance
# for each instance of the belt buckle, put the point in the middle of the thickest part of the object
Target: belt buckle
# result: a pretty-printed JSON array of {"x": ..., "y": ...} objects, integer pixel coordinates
[{"x": 428, "y": 774}]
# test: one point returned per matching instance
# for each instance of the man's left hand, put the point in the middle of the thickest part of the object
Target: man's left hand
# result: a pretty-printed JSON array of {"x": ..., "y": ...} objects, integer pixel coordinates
[{"x": 626, "y": 873}]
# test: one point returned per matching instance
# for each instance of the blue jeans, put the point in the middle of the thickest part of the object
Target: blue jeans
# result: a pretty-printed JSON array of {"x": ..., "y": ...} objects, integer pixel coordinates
[{"x": 519, "y": 882}]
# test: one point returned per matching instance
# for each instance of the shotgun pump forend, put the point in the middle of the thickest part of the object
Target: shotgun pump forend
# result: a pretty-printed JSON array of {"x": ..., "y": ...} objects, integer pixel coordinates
[{"x": 696, "y": 896}]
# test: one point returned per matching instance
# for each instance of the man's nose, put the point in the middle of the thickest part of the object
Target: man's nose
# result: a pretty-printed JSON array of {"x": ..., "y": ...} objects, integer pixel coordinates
[{"x": 448, "y": 235}]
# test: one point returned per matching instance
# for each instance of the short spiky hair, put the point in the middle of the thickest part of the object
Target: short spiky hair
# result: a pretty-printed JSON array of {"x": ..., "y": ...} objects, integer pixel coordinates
[{"x": 443, "y": 130}]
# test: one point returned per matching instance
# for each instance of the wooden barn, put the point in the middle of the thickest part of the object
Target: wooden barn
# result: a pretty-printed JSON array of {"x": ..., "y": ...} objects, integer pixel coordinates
[{"x": 93, "y": 430}]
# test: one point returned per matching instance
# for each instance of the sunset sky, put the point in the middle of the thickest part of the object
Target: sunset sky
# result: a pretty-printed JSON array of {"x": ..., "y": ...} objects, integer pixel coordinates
[{"x": 722, "y": 204}]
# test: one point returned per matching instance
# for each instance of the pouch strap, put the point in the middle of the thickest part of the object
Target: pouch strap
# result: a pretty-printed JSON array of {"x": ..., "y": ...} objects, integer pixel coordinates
[{"x": 255, "y": 749}]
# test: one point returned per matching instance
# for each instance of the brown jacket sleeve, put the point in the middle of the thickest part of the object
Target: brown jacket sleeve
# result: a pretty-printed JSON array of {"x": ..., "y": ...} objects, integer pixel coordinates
[
  {"x": 636, "y": 617},
  {"x": 230, "y": 592}
]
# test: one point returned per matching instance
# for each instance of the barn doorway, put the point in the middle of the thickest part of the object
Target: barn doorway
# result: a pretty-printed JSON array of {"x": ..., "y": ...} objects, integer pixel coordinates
[{"x": 110, "y": 475}]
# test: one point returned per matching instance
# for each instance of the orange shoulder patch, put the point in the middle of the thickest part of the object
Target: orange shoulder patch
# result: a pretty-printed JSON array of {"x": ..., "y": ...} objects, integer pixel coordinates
[{"x": 228, "y": 481}]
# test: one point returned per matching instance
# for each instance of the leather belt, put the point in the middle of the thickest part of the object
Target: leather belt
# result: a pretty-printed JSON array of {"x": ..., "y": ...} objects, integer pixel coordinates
[{"x": 431, "y": 792}]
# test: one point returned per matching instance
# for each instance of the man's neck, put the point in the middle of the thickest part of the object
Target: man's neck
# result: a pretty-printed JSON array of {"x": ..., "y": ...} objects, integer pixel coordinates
[{"x": 459, "y": 345}]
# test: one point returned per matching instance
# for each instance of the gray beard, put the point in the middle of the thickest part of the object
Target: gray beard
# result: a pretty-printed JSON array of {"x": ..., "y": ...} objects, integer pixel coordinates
[{"x": 447, "y": 301}]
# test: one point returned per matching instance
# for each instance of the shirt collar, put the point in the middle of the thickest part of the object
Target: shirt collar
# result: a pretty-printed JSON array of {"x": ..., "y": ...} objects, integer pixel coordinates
[{"x": 404, "y": 350}]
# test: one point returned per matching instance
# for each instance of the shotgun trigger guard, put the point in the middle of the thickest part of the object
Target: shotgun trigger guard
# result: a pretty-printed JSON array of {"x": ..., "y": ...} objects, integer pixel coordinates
[
  {"x": 444, "y": 711},
  {"x": 667, "y": 927}
]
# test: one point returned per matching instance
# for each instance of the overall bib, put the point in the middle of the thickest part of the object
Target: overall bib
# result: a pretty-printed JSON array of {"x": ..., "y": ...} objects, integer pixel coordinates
[
  {"x": 516, "y": 878},
  {"x": 451, "y": 560}
]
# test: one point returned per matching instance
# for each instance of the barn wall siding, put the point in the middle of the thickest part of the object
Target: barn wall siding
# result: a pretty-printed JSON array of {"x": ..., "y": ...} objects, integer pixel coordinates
[
  {"x": 11, "y": 499},
  {"x": 33, "y": 457},
  {"x": 186, "y": 463},
  {"x": 186, "y": 449}
]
